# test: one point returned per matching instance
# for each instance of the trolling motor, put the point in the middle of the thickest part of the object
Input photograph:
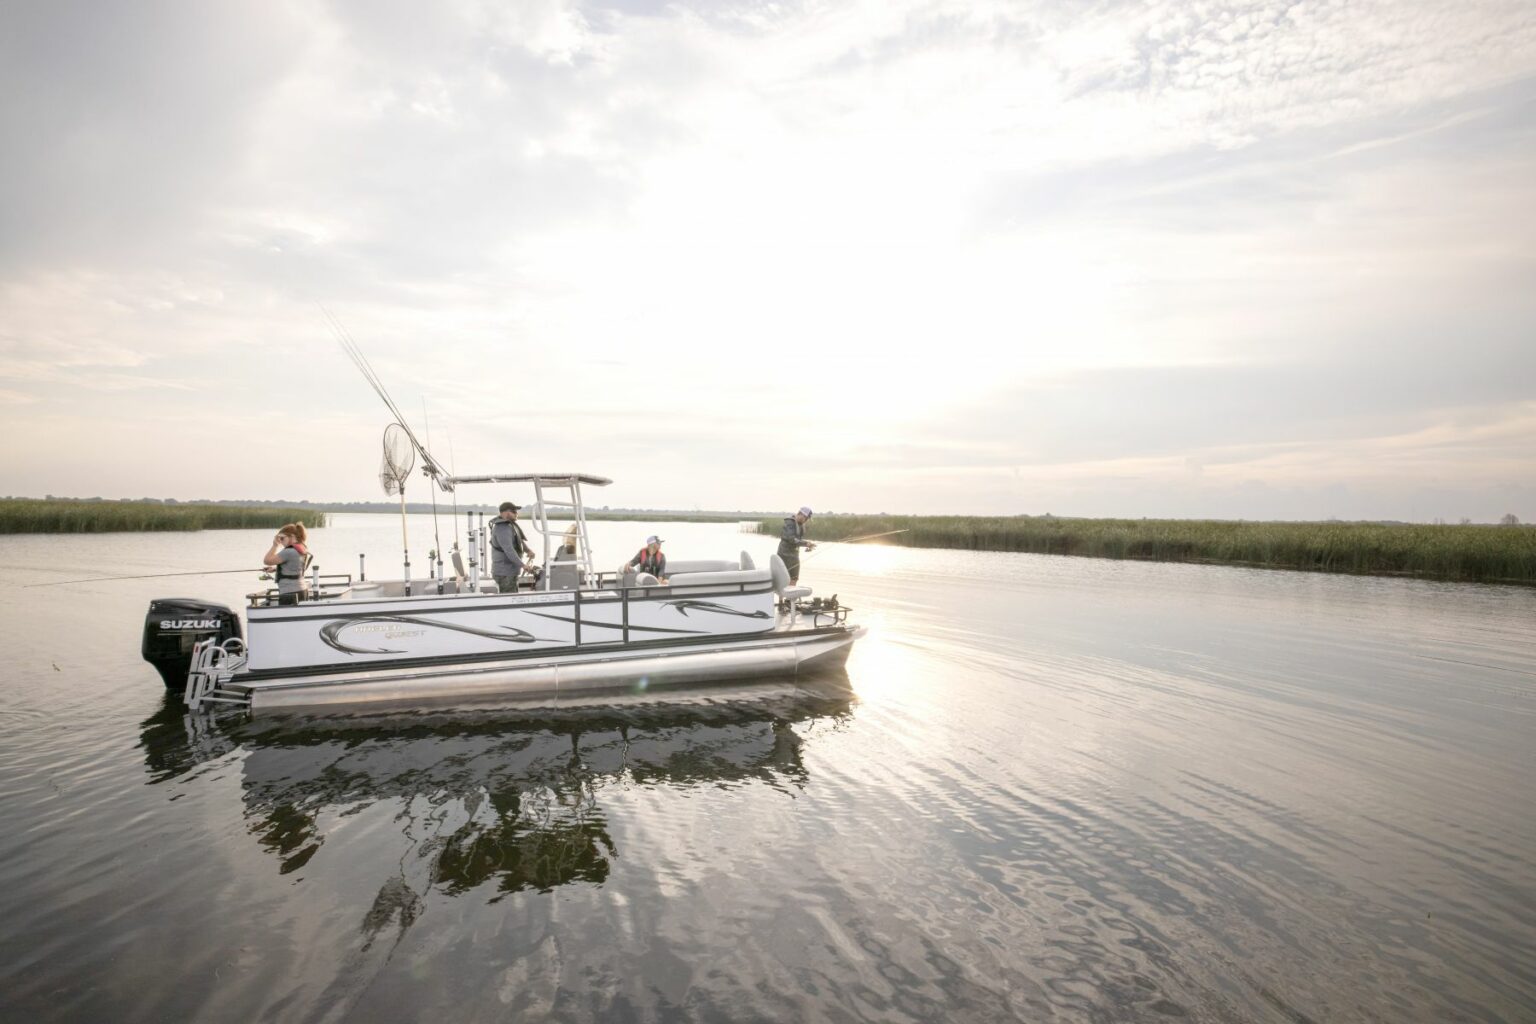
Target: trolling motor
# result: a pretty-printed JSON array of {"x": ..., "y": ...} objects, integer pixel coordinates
[{"x": 818, "y": 608}]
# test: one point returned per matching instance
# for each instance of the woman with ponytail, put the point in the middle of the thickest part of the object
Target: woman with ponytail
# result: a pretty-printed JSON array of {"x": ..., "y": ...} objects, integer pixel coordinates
[{"x": 286, "y": 556}]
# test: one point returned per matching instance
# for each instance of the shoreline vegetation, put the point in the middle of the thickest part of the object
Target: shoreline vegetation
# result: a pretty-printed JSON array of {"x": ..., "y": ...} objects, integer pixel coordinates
[
  {"x": 1467, "y": 553},
  {"x": 36, "y": 515}
]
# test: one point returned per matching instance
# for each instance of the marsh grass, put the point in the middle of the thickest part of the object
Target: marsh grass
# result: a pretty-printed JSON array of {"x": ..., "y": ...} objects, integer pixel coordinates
[
  {"x": 28, "y": 515},
  {"x": 1485, "y": 553}
]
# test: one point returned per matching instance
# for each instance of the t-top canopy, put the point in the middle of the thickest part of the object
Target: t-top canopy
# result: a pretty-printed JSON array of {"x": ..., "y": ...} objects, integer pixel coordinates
[{"x": 546, "y": 479}]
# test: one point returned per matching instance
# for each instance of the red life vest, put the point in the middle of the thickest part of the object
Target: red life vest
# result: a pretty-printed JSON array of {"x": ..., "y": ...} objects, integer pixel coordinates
[{"x": 647, "y": 564}]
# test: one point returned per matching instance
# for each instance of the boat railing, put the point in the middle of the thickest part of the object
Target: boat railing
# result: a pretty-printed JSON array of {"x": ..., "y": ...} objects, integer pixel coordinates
[{"x": 323, "y": 587}]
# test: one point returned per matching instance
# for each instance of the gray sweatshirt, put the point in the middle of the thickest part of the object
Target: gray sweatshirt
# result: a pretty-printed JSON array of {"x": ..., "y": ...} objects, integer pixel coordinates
[{"x": 507, "y": 546}]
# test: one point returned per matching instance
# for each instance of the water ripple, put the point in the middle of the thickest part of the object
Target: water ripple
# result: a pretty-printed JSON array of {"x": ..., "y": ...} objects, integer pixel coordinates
[{"x": 1053, "y": 789}]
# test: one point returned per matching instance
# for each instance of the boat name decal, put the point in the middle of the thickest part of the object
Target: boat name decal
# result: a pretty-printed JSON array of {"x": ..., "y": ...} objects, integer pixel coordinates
[
  {"x": 684, "y": 607},
  {"x": 189, "y": 623},
  {"x": 389, "y": 625}
]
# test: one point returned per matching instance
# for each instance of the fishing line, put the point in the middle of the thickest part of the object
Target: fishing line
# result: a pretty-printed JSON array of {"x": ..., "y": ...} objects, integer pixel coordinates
[
  {"x": 150, "y": 576},
  {"x": 869, "y": 536},
  {"x": 851, "y": 540}
]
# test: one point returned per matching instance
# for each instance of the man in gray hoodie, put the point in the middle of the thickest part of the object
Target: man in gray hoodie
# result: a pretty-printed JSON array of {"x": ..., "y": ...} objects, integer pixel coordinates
[{"x": 509, "y": 549}]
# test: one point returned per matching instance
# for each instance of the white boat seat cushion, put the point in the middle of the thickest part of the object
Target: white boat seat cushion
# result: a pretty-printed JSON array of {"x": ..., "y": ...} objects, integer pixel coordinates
[
  {"x": 780, "y": 573},
  {"x": 746, "y": 561},
  {"x": 781, "y": 580},
  {"x": 701, "y": 579},
  {"x": 701, "y": 565}
]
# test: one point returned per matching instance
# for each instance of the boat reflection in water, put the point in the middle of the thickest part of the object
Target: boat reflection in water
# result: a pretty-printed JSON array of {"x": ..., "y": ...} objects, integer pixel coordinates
[{"x": 506, "y": 797}]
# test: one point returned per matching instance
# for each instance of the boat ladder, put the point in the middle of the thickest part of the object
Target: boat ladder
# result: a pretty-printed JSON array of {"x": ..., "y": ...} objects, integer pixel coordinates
[{"x": 214, "y": 664}]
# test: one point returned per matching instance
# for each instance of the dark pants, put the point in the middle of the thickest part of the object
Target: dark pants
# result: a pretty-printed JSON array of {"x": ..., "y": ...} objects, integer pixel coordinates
[
  {"x": 288, "y": 599},
  {"x": 506, "y": 584},
  {"x": 791, "y": 562}
]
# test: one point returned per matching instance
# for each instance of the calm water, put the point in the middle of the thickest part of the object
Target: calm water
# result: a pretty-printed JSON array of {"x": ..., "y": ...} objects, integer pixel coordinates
[{"x": 1049, "y": 789}]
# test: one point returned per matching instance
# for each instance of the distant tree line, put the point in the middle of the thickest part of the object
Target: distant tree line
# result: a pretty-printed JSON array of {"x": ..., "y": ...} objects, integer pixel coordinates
[
  {"x": 61, "y": 515},
  {"x": 1467, "y": 552}
]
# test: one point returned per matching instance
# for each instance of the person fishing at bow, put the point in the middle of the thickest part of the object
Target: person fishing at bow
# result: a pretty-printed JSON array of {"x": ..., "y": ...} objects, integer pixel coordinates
[
  {"x": 792, "y": 539},
  {"x": 649, "y": 559},
  {"x": 286, "y": 557}
]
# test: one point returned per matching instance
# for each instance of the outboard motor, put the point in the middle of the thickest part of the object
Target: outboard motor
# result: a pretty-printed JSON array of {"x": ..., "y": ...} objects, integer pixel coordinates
[{"x": 174, "y": 625}]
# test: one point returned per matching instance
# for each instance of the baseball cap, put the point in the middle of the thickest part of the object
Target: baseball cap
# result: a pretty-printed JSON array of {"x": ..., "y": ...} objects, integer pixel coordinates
[
  {"x": 507, "y": 506},
  {"x": 652, "y": 539},
  {"x": 805, "y": 510}
]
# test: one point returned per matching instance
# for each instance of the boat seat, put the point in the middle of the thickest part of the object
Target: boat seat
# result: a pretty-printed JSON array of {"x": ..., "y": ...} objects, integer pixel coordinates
[
  {"x": 701, "y": 579},
  {"x": 643, "y": 579},
  {"x": 701, "y": 565},
  {"x": 746, "y": 561},
  {"x": 458, "y": 566},
  {"x": 781, "y": 585},
  {"x": 565, "y": 575}
]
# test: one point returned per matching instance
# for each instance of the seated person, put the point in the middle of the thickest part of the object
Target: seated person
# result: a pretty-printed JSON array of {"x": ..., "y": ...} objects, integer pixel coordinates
[
  {"x": 566, "y": 550},
  {"x": 650, "y": 559},
  {"x": 564, "y": 562}
]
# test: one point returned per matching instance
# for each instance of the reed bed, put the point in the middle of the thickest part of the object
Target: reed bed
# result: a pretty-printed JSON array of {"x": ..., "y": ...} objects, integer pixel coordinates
[
  {"x": 1478, "y": 553},
  {"x": 29, "y": 515}
]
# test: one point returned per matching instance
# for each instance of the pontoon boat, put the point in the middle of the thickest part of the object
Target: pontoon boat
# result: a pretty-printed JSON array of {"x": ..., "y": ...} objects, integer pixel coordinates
[{"x": 455, "y": 636}]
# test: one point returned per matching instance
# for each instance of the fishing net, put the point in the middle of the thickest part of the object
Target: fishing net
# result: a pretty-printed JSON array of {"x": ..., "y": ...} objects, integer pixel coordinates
[{"x": 398, "y": 461}]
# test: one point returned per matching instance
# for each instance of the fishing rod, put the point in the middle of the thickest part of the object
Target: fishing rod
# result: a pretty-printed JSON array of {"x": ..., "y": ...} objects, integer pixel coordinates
[
  {"x": 355, "y": 353},
  {"x": 151, "y": 576},
  {"x": 869, "y": 536},
  {"x": 851, "y": 540},
  {"x": 437, "y": 552}
]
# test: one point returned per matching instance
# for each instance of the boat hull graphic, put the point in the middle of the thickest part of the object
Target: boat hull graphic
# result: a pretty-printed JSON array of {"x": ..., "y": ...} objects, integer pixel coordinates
[{"x": 332, "y": 632}]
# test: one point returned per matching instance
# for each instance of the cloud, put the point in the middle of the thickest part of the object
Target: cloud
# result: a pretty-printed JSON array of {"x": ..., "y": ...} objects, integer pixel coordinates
[
  {"x": 1175, "y": 411},
  {"x": 123, "y": 125},
  {"x": 733, "y": 250}
]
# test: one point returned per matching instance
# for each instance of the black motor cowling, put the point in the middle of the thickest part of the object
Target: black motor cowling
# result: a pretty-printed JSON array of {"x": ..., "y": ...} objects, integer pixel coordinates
[{"x": 174, "y": 625}]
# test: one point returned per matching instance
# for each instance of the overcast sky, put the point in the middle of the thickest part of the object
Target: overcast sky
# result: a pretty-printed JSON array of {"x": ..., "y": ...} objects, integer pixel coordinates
[{"x": 1217, "y": 259}]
